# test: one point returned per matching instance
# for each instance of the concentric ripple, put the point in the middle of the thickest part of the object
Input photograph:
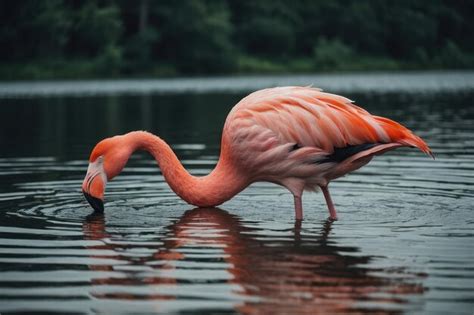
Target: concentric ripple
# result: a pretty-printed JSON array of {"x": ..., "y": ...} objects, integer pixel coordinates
[{"x": 404, "y": 243}]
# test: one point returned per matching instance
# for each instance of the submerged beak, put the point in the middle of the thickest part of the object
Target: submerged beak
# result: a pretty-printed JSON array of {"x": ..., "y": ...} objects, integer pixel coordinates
[
  {"x": 93, "y": 186},
  {"x": 95, "y": 203}
]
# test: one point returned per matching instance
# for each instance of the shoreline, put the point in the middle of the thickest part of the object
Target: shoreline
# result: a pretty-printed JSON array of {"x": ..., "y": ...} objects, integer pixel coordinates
[{"x": 376, "y": 82}]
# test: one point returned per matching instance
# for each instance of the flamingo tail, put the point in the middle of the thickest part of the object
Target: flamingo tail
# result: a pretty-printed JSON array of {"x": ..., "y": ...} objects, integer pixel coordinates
[{"x": 402, "y": 135}]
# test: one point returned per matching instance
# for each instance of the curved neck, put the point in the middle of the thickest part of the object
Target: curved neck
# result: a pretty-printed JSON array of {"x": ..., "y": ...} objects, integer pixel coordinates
[{"x": 220, "y": 185}]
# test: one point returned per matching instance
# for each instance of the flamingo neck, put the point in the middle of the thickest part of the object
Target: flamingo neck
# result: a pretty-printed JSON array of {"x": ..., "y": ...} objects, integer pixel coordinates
[{"x": 220, "y": 185}]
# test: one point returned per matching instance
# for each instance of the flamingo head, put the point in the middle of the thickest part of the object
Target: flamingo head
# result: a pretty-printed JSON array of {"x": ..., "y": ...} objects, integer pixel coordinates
[{"x": 107, "y": 160}]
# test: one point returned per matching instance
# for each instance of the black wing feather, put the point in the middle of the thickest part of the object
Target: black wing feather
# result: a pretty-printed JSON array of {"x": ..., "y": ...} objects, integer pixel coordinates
[{"x": 341, "y": 154}]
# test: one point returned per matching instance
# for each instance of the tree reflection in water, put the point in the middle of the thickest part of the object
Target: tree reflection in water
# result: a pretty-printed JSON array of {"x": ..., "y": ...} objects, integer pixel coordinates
[{"x": 296, "y": 271}]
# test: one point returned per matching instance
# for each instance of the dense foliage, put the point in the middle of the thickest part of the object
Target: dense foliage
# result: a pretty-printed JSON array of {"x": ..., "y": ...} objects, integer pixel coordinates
[{"x": 59, "y": 38}]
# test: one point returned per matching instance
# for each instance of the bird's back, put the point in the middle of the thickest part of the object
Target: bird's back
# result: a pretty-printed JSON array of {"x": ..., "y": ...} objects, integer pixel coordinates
[{"x": 289, "y": 130}]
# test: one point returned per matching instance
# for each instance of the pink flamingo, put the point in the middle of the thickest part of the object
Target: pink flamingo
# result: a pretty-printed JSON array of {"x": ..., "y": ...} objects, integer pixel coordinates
[{"x": 298, "y": 137}]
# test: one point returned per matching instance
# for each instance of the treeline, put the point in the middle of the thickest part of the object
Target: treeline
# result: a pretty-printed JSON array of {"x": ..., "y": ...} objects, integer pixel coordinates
[{"x": 88, "y": 38}]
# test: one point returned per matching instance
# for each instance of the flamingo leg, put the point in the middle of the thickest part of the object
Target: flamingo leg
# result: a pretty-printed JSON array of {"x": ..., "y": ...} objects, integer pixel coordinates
[
  {"x": 298, "y": 208},
  {"x": 331, "y": 208}
]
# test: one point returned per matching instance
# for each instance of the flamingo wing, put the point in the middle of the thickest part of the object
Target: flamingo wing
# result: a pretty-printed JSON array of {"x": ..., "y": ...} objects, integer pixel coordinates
[{"x": 299, "y": 131}]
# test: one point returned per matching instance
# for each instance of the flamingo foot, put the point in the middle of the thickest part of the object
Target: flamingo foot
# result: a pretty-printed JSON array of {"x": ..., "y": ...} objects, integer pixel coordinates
[
  {"x": 298, "y": 208},
  {"x": 331, "y": 208}
]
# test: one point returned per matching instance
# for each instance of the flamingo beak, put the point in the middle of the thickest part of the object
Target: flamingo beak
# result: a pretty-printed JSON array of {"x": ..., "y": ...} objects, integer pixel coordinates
[
  {"x": 96, "y": 203},
  {"x": 93, "y": 186}
]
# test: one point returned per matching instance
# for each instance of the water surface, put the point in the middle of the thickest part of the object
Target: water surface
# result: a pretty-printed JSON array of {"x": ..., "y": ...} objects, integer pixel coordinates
[{"x": 404, "y": 242}]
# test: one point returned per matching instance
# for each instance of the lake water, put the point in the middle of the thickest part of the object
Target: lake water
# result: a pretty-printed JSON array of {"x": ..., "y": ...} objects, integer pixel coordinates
[{"x": 404, "y": 242}]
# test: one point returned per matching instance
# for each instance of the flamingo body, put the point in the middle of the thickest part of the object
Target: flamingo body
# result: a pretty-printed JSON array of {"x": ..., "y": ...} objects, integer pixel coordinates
[{"x": 297, "y": 137}]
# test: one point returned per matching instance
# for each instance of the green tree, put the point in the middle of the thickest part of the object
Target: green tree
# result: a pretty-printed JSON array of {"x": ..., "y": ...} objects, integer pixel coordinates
[
  {"x": 195, "y": 35},
  {"x": 95, "y": 29},
  {"x": 265, "y": 27},
  {"x": 51, "y": 38},
  {"x": 33, "y": 29},
  {"x": 331, "y": 54}
]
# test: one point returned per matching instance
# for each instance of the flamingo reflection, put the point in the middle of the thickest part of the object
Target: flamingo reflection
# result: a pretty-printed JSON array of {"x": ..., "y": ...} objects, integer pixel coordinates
[{"x": 284, "y": 271}]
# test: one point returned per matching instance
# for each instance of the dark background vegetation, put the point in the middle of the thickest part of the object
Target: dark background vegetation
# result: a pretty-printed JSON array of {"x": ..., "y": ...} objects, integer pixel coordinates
[{"x": 77, "y": 39}]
